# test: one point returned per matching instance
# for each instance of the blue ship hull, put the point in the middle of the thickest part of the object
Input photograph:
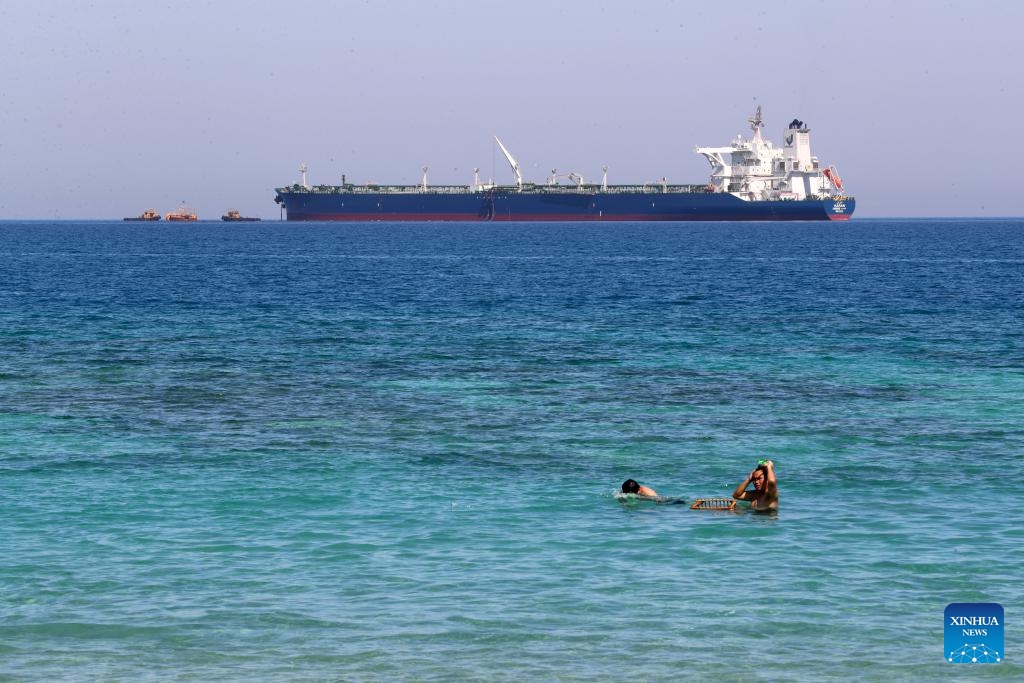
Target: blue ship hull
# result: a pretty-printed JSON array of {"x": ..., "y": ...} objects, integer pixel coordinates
[{"x": 510, "y": 204}]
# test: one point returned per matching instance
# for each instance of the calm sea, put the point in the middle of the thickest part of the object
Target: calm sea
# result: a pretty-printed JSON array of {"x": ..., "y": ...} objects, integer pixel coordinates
[{"x": 330, "y": 452}]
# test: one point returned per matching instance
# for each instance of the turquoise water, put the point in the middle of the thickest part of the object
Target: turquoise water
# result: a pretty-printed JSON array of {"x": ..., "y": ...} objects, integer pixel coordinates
[{"x": 389, "y": 452}]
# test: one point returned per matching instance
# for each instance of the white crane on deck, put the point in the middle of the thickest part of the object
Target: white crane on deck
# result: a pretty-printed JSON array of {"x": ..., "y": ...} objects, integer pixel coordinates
[
  {"x": 512, "y": 162},
  {"x": 572, "y": 176}
]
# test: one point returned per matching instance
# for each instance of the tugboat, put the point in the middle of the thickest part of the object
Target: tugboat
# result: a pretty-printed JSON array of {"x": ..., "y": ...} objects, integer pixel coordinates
[
  {"x": 182, "y": 213},
  {"x": 147, "y": 215},
  {"x": 233, "y": 216}
]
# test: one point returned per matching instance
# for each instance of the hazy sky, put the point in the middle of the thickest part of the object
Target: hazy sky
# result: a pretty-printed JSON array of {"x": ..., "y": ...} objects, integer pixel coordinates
[{"x": 111, "y": 107}]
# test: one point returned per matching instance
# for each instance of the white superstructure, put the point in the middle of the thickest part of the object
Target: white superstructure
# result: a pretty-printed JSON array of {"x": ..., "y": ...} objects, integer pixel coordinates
[{"x": 756, "y": 169}]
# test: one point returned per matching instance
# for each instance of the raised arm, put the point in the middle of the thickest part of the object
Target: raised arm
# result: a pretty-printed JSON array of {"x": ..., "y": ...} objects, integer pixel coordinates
[
  {"x": 741, "y": 492},
  {"x": 770, "y": 486}
]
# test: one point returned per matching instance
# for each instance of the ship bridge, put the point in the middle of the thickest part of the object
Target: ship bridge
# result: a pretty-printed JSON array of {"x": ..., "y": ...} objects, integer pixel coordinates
[{"x": 756, "y": 169}]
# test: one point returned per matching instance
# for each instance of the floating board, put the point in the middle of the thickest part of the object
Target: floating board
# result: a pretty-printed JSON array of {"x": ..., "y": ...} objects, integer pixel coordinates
[{"x": 713, "y": 504}]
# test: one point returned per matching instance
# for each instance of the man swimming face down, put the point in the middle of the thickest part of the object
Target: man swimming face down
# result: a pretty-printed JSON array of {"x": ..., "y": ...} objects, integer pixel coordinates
[{"x": 634, "y": 487}]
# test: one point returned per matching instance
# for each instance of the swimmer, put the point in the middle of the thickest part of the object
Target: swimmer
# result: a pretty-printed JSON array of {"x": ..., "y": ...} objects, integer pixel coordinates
[
  {"x": 765, "y": 495},
  {"x": 631, "y": 486}
]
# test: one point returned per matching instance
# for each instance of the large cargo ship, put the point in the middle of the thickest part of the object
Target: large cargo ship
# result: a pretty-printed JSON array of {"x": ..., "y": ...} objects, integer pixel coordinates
[{"x": 751, "y": 180}]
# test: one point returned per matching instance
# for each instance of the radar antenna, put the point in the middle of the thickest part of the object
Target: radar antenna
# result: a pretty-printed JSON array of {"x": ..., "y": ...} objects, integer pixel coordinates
[{"x": 756, "y": 123}]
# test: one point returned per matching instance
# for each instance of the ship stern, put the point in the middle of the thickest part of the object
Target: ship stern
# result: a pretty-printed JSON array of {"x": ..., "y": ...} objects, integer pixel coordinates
[{"x": 840, "y": 208}]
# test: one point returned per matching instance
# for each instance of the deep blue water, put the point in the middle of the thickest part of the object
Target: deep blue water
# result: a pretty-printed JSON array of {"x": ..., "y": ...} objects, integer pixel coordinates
[{"x": 379, "y": 452}]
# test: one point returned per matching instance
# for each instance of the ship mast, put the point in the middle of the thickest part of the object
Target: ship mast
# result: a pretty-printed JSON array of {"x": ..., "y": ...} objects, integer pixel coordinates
[
  {"x": 512, "y": 162},
  {"x": 755, "y": 125}
]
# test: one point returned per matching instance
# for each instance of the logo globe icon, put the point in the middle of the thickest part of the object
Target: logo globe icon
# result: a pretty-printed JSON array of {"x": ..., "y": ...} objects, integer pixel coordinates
[{"x": 974, "y": 654}]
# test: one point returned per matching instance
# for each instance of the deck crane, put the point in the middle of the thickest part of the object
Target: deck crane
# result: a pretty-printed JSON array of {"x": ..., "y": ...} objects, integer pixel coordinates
[{"x": 512, "y": 162}]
